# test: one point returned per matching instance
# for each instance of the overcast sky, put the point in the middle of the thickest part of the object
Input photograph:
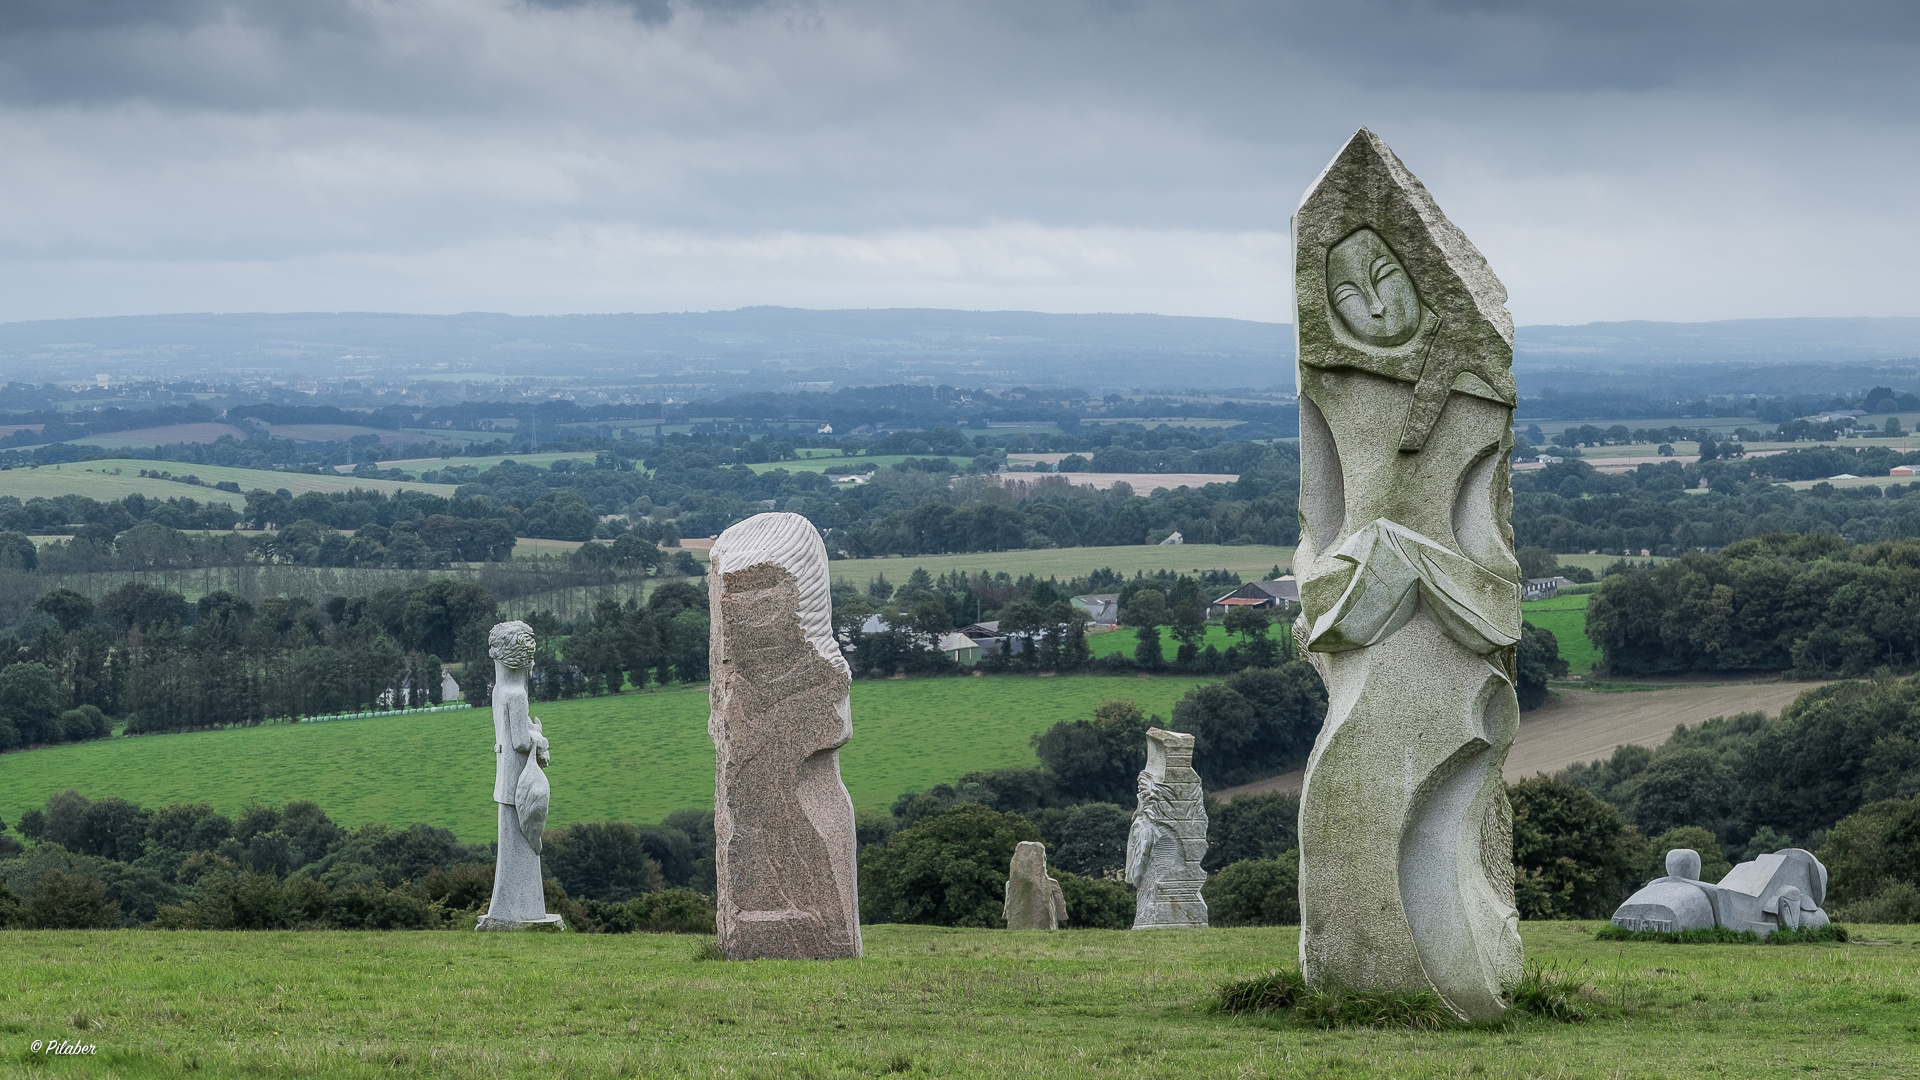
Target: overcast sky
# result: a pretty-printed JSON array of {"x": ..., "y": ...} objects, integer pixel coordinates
[{"x": 1618, "y": 160}]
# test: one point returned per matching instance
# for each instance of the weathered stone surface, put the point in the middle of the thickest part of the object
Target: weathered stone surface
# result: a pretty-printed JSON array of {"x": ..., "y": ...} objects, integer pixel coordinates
[
  {"x": 1783, "y": 890},
  {"x": 519, "y": 787},
  {"x": 780, "y": 713},
  {"x": 1168, "y": 838},
  {"x": 1409, "y": 589},
  {"x": 1034, "y": 900}
]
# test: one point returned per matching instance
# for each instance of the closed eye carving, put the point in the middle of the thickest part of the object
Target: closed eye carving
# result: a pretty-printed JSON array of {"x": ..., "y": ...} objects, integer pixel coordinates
[{"x": 1372, "y": 293}]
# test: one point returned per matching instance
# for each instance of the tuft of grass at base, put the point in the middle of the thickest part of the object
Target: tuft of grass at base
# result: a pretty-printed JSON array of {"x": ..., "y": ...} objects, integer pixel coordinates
[
  {"x": 1286, "y": 992},
  {"x": 1830, "y": 934},
  {"x": 1553, "y": 993},
  {"x": 1546, "y": 991}
]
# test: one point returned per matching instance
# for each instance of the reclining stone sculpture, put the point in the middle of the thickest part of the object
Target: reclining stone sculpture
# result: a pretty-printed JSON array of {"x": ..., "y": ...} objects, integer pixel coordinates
[{"x": 1783, "y": 890}]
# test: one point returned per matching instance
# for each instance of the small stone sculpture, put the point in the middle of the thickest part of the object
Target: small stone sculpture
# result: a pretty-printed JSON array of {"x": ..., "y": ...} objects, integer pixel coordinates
[
  {"x": 1034, "y": 900},
  {"x": 1783, "y": 890},
  {"x": 1409, "y": 590},
  {"x": 519, "y": 787},
  {"x": 1168, "y": 838},
  {"x": 780, "y": 713}
]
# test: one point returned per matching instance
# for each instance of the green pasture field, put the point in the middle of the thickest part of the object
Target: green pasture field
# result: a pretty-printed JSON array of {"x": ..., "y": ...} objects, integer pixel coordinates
[
  {"x": 1566, "y": 616},
  {"x": 116, "y": 478},
  {"x": 536, "y": 461},
  {"x": 1856, "y": 482},
  {"x": 923, "y": 1001},
  {"x": 458, "y": 434},
  {"x": 821, "y": 462},
  {"x": 636, "y": 756},
  {"x": 1251, "y": 561}
]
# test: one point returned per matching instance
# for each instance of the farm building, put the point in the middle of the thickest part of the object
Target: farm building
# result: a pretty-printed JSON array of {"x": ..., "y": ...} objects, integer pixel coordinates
[
  {"x": 1103, "y": 609},
  {"x": 1258, "y": 594},
  {"x": 1543, "y": 588},
  {"x": 958, "y": 645}
]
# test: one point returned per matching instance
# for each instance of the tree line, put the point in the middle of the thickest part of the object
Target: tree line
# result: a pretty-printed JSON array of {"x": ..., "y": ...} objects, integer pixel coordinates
[
  {"x": 111, "y": 863},
  {"x": 147, "y": 656},
  {"x": 1813, "y": 605},
  {"x": 1570, "y": 508}
]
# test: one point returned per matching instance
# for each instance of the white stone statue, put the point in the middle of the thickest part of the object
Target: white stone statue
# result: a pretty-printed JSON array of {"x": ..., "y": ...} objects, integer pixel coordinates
[
  {"x": 1410, "y": 592},
  {"x": 1781, "y": 891},
  {"x": 1034, "y": 900},
  {"x": 1168, "y": 838},
  {"x": 519, "y": 787},
  {"x": 781, "y": 710}
]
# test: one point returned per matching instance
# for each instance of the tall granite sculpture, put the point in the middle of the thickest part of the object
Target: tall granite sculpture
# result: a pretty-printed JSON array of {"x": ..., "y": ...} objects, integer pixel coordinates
[
  {"x": 780, "y": 713},
  {"x": 1781, "y": 891},
  {"x": 1409, "y": 589},
  {"x": 1034, "y": 900},
  {"x": 519, "y": 787},
  {"x": 1168, "y": 838}
]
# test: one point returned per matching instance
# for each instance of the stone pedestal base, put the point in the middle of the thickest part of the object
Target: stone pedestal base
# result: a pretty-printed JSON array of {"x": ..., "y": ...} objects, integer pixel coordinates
[{"x": 549, "y": 923}]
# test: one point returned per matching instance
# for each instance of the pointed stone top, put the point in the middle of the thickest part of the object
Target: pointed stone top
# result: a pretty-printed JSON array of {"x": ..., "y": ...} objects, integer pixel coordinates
[
  {"x": 1368, "y": 159},
  {"x": 1167, "y": 750},
  {"x": 1384, "y": 283}
]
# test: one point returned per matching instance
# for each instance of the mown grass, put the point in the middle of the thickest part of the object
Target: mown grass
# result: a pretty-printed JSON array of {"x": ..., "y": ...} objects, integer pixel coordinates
[
  {"x": 1250, "y": 561},
  {"x": 99, "y": 480},
  {"x": 924, "y": 1002},
  {"x": 633, "y": 756},
  {"x": 1566, "y": 616},
  {"x": 820, "y": 462}
]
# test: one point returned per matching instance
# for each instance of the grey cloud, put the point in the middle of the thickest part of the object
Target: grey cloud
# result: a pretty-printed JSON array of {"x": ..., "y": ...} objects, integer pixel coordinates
[{"x": 287, "y": 130}]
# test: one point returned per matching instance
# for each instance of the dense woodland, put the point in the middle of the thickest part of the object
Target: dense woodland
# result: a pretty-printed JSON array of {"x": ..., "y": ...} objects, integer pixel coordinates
[{"x": 1814, "y": 605}]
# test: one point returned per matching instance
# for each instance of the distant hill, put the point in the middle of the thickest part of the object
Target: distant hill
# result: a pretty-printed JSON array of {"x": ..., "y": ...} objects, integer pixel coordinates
[
  {"x": 762, "y": 348},
  {"x": 1747, "y": 356},
  {"x": 769, "y": 348}
]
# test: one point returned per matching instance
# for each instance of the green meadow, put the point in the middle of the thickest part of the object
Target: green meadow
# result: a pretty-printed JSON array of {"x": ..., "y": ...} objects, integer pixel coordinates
[
  {"x": 636, "y": 756},
  {"x": 821, "y": 461},
  {"x": 924, "y": 1001},
  {"x": 116, "y": 478},
  {"x": 1566, "y": 616}
]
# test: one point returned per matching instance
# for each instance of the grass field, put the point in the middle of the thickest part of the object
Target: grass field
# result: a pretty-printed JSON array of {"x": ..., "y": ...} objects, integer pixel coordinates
[
  {"x": 821, "y": 463},
  {"x": 537, "y": 461},
  {"x": 1566, "y": 616},
  {"x": 1251, "y": 561},
  {"x": 924, "y": 1001},
  {"x": 116, "y": 478},
  {"x": 634, "y": 757}
]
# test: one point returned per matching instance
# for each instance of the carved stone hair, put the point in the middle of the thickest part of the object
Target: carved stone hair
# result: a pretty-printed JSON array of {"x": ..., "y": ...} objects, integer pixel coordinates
[
  {"x": 511, "y": 643},
  {"x": 1156, "y": 801}
]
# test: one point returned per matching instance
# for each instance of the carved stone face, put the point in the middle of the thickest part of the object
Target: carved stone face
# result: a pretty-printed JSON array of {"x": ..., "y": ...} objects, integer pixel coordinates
[{"x": 1371, "y": 292}]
